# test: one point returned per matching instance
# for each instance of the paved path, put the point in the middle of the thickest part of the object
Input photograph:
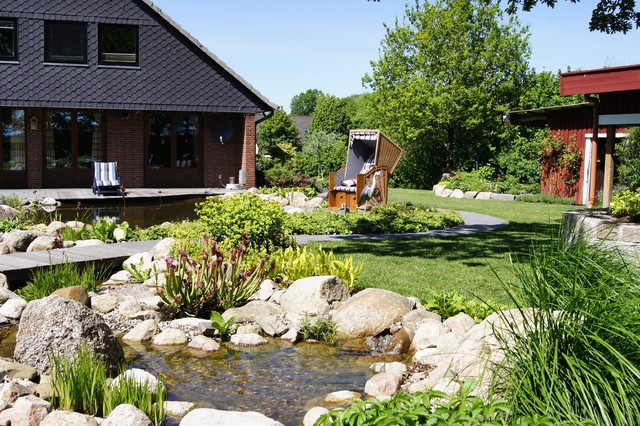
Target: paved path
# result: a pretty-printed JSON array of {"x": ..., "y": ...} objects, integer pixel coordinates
[{"x": 473, "y": 222}]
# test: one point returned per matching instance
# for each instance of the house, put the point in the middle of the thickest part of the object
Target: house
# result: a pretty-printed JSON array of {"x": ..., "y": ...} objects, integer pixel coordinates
[
  {"x": 611, "y": 105},
  {"x": 303, "y": 123},
  {"x": 118, "y": 80}
]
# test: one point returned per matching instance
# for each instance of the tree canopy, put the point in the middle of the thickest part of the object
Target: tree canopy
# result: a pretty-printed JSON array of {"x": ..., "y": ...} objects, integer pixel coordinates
[
  {"x": 305, "y": 103},
  {"x": 277, "y": 137},
  {"x": 446, "y": 75},
  {"x": 609, "y": 16},
  {"x": 330, "y": 116}
]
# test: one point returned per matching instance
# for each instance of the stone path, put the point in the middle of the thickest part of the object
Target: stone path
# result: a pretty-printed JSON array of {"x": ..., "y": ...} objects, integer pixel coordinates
[{"x": 473, "y": 222}]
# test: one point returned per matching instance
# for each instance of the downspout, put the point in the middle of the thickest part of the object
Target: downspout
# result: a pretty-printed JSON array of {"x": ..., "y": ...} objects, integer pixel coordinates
[
  {"x": 266, "y": 115},
  {"x": 594, "y": 151}
]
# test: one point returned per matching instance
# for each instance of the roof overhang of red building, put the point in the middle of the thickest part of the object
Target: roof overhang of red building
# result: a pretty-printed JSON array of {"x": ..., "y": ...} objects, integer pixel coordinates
[{"x": 602, "y": 80}]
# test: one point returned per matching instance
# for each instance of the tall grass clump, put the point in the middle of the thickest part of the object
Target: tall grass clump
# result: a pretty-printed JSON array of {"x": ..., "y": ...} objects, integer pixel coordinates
[
  {"x": 45, "y": 281},
  {"x": 80, "y": 384},
  {"x": 576, "y": 357}
]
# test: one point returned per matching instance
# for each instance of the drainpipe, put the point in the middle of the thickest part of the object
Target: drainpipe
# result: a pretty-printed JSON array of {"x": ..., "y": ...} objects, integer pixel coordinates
[
  {"x": 266, "y": 115},
  {"x": 594, "y": 151}
]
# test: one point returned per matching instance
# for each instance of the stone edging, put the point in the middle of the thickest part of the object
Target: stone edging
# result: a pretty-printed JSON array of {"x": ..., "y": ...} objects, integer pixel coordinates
[
  {"x": 598, "y": 226},
  {"x": 443, "y": 191}
]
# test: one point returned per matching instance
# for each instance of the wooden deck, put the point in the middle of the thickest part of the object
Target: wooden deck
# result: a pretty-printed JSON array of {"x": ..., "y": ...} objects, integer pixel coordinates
[{"x": 18, "y": 266}]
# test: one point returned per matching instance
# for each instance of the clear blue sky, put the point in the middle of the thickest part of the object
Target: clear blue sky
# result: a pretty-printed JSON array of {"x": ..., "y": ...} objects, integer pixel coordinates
[{"x": 284, "y": 47}]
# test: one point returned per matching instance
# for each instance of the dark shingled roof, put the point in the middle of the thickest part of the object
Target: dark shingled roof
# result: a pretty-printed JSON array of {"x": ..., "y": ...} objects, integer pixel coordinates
[{"x": 175, "y": 72}]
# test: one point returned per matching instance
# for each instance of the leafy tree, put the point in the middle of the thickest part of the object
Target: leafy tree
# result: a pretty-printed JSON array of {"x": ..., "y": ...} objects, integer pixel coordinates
[
  {"x": 360, "y": 111},
  {"x": 322, "y": 153},
  {"x": 445, "y": 77},
  {"x": 629, "y": 159},
  {"x": 609, "y": 16},
  {"x": 330, "y": 116},
  {"x": 305, "y": 102},
  {"x": 278, "y": 137}
]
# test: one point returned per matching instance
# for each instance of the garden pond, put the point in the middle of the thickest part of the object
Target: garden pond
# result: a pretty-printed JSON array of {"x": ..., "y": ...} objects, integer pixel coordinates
[{"x": 280, "y": 380}]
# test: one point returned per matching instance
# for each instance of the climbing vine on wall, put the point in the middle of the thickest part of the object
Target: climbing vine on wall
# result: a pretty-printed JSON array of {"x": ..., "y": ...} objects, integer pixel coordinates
[{"x": 561, "y": 162}]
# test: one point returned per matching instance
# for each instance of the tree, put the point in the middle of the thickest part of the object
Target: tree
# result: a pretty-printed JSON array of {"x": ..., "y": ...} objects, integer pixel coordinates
[
  {"x": 609, "y": 16},
  {"x": 305, "y": 102},
  {"x": 322, "y": 153},
  {"x": 277, "y": 137},
  {"x": 445, "y": 77},
  {"x": 360, "y": 111},
  {"x": 330, "y": 116}
]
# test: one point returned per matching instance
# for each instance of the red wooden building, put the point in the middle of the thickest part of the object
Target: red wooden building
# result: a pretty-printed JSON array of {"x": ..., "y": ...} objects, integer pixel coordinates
[{"x": 612, "y": 104}]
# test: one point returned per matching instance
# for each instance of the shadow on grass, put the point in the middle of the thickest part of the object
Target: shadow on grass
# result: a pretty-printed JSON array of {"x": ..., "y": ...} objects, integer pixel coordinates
[{"x": 473, "y": 249}]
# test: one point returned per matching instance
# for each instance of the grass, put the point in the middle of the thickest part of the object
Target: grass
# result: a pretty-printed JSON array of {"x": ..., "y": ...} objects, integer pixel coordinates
[
  {"x": 467, "y": 264},
  {"x": 45, "y": 281}
]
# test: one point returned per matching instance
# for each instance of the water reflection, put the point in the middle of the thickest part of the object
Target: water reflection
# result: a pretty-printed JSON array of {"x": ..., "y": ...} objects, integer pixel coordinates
[{"x": 136, "y": 214}]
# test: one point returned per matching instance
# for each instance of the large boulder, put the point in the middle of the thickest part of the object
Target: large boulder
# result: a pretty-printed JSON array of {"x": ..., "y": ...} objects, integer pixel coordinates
[
  {"x": 56, "y": 324},
  {"x": 211, "y": 417},
  {"x": 43, "y": 243},
  {"x": 267, "y": 315},
  {"x": 313, "y": 295},
  {"x": 68, "y": 418},
  {"x": 127, "y": 414},
  {"x": 20, "y": 240},
  {"x": 7, "y": 212},
  {"x": 370, "y": 312}
]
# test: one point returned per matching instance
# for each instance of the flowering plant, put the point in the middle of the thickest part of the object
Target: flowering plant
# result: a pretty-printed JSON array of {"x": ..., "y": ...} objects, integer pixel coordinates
[{"x": 196, "y": 286}]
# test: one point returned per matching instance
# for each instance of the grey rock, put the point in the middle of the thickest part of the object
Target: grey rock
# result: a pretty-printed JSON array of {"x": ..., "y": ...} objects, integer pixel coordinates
[
  {"x": 446, "y": 192},
  {"x": 139, "y": 376},
  {"x": 437, "y": 190},
  {"x": 457, "y": 193},
  {"x": 383, "y": 385},
  {"x": 146, "y": 330},
  {"x": 105, "y": 303},
  {"x": 89, "y": 243},
  {"x": 129, "y": 306},
  {"x": 204, "y": 343},
  {"x": 342, "y": 397},
  {"x": 43, "y": 243},
  {"x": 460, "y": 323},
  {"x": 13, "y": 390},
  {"x": 483, "y": 196},
  {"x": 127, "y": 415},
  {"x": 470, "y": 195},
  {"x": 313, "y": 415},
  {"x": 313, "y": 295},
  {"x": 7, "y": 212},
  {"x": 4, "y": 248},
  {"x": 13, "y": 308},
  {"x": 370, "y": 312},
  {"x": 389, "y": 367},
  {"x": 212, "y": 417},
  {"x": 248, "y": 340},
  {"x": 18, "y": 241},
  {"x": 6, "y": 294},
  {"x": 57, "y": 324},
  {"x": 265, "y": 291},
  {"x": 4, "y": 283},
  {"x": 16, "y": 370},
  {"x": 503, "y": 197},
  {"x": 267, "y": 315},
  {"x": 56, "y": 228},
  {"x": 170, "y": 336},
  {"x": 425, "y": 333},
  {"x": 162, "y": 250},
  {"x": 68, "y": 418},
  {"x": 178, "y": 409},
  {"x": 77, "y": 293}
]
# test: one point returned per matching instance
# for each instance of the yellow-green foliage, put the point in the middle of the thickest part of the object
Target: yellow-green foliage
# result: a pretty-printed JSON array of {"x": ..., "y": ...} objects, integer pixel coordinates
[
  {"x": 626, "y": 204},
  {"x": 296, "y": 263},
  {"x": 227, "y": 219}
]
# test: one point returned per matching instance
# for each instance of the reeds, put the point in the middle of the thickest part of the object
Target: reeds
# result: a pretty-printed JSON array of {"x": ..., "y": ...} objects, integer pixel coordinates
[{"x": 576, "y": 358}]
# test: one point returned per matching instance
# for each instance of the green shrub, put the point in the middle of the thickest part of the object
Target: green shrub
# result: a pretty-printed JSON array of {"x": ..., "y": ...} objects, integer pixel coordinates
[
  {"x": 80, "y": 384},
  {"x": 391, "y": 218},
  {"x": 230, "y": 219},
  {"x": 295, "y": 263},
  {"x": 45, "y": 281},
  {"x": 225, "y": 328},
  {"x": 321, "y": 329},
  {"x": 199, "y": 285},
  {"x": 452, "y": 303},
  {"x": 544, "y": 198},
  {"x": 626, "y": 204},
  {"x": 477, "y": 180},
  {"x": 16, "y": 222},
  {"x": 628, "y": 156},
  {"x": 11, "y": 201},
  {"x": 430, "y": 408},
  {"x": 309, "y": 191},
  {"x": 576, "y": 355}
]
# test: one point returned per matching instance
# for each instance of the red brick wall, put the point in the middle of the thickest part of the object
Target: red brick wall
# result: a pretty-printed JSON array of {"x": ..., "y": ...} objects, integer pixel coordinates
[
  {"x": 125, "y": 144},
  {"x": 222, "y": 158},
  {"x": 249, "y": 150}
]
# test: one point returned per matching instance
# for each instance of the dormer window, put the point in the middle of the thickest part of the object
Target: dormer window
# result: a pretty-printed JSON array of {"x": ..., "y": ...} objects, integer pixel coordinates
[
  {"x": 65, "y": 42},
  {"x": 117, "y": 44},
  {"x": 8, "y": 46}
]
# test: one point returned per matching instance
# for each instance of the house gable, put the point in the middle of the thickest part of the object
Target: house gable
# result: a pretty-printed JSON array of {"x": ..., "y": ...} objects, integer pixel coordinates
[{"x": 175, "y": 72}]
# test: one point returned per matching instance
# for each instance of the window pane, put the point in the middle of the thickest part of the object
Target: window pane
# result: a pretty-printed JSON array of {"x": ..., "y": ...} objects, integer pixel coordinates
[
  {"x": 13, "y": 139},
  {"x": 118, "y": 44},
  {"x": 58, "y": 140},
  {"x": 65, "y": 42},
  {"x": 7, "y": 39},
  {"x": 159, "y": 142},
  {"x": 89, "y": 139},
  {"x": 187, "y": 141}
]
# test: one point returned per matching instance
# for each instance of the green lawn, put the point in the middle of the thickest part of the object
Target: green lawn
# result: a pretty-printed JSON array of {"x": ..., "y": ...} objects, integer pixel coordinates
[{"x": 468, "y": 264}]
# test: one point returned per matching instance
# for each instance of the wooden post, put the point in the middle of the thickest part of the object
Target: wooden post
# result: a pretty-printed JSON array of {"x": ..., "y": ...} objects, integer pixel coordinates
[
  {"x": 594, "y": 157},
  {"x": 608, "y": 167}
]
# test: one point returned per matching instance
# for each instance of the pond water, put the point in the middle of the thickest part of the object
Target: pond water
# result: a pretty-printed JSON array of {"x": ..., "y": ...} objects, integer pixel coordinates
[
  {"x": 279, "y": 380},
  {"x": 138, "y": 213}
]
